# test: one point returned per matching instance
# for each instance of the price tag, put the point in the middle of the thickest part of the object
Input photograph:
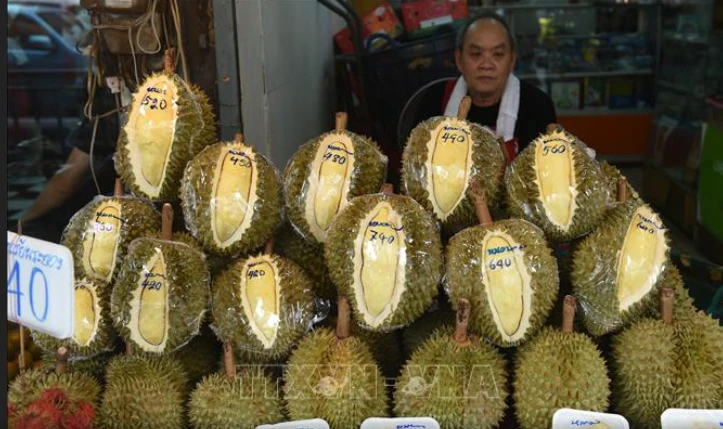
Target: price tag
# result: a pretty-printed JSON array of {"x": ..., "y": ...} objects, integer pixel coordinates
[
  {"x": 692, "y": 419},
  {"x": 400, "y": 423},
  {"x": 40, "y": 285},
  {"x": 298, "y": 424},
  {"x": 567, "y": 418}
]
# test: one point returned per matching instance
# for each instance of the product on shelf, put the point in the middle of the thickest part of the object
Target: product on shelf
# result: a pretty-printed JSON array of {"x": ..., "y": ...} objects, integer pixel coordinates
[
  {"x": 507, "y": 271},
  {"x": 559, "y": 369},
  {"x": 325, "y": 173},
  {"x": 384, "y": 253},
  {"x": 333, "y": 376},
  {"x": 170, "y": 121},
  {"x": 556, "y": 185},
  {"x": 442, "y": 156},
  {"x": 454, "y": 378},
  {"x": 231, "y": 198}
]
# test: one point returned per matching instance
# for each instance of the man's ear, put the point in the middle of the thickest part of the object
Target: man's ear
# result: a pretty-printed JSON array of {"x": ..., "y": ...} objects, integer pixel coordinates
[{"x": 458, "y": 59}]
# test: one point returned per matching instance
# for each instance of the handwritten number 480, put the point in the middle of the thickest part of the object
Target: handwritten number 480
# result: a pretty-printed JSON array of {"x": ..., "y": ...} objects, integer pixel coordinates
[{"x": 35, "y": 275}]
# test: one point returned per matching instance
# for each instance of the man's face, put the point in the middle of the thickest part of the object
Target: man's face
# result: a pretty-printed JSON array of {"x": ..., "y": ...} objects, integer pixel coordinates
[{"x": 486, "y": 58}]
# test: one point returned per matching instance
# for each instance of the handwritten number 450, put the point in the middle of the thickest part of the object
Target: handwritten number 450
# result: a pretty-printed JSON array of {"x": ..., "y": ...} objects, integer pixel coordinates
[{"x": 14, "y": 289}]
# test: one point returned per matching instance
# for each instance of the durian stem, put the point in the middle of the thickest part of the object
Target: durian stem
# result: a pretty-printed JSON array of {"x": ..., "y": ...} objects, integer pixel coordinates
[
  {"x": 61, "y": 363},
  {"x": 229, "y": 362},
  {"x": 118, "y": 191},
  {"x": 167, "y": 222},
  {"x": 551, "y": 128},
  {"x": 622, "y": 189},
  {"x": 341, "y": 121},
  {"x": 480, "y": 203},
  {"x": 460, "y": 332},
  {"x": 129, "y": 349},
  {"x": 343, "y": 320},
  {"x": 238, "y": 138},
  {"x": 505, "y": 152},
  {"x": 464, "y": 107},
  {"x": 169, "y": 60},
  {"x": 269, "y": 248},
  {"x": 568, "y": 314},
  {"x": 387, "y": 188},
  {"x": 666, "y": 305}
]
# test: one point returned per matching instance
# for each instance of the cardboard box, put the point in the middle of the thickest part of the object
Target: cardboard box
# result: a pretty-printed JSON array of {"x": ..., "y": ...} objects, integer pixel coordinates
[
  {"x": 381, "y": 19},
  {"x": 426, "y": 14}
]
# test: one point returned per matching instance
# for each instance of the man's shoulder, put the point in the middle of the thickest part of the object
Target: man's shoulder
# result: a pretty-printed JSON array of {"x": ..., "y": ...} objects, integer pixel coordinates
[{"x": 533, "y": 94}]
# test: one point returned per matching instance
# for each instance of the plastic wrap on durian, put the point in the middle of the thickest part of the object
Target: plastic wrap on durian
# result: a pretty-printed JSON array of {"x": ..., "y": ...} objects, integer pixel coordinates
[
  {"x": 555, "y": 184},
  {"x": 98, "y": 235},
  {"x": 618, "y": 269},
  {"x": 231, "y": 197},
  {"x": 161, "y": 296},
  {"x": 264, "y": 304}
]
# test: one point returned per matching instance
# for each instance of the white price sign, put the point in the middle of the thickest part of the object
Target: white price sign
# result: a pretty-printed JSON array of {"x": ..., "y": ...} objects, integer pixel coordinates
[
  {"x": 400, "y": 423},
  {"x": 567, "y": 418},
  {"x": 298, "y": 424},
  {"x": 692, "y": 419},
  {"x": 40, "y": 285}
]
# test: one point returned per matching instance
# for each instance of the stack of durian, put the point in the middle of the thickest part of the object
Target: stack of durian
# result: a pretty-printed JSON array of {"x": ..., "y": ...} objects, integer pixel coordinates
[{"x": 322, "y": 281}]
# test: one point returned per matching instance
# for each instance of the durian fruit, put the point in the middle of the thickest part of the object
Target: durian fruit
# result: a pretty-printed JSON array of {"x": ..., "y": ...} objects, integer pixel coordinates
[
  {"x": 554, "y": 184},
  {"x": 676, "y": 362},
  {"x": 508, "y": 273},
  {"x": 559, "y": 369},
  {"x": 94, "y": 367},
  {"x": 235, "y": 400},
  {"x": 617, "y": 269},
  {"x": 384, "y": 253},
  {"x": 99, "y": 234},
  {"x": 617, "y": 184},
  {"x": 169, "y": 122},
  {"x": 162, "y": 293},
  {"x": 143, "y": 392},
  {"x": 325, "y": 173},
  {"x": 454, "y": 378},
  {"x": 684, "y": 304},
  {"x": 231, "y": 197},
  {"x": 439, "y": 316},
  {"x": 333, "y": 376},
  {"x": 442, "y": 156},
  {"x": 264, "y": 304}
]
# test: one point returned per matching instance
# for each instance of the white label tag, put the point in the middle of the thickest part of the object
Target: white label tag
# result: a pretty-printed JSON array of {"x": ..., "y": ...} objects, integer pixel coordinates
[
  {"x": 41, "y": 286},
  {"x": 436, "y": 21},
  {"x": 298, "y": 424},
  {"x": 400, "y": 423},
  {"x": 692, "y": 419},
  {"x": 567, "y": 418},
  {"x": 113, "y": 84}
]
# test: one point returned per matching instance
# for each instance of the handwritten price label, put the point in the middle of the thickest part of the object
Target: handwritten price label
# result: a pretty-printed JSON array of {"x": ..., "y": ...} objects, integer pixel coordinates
[
  {"x": 400, "y": 423},
  {"x": 567, "y": 418},
  {"x": 40, "y": 285},
  {"x": 688, "y": 419},
  {"x": 298, "y": 424}
]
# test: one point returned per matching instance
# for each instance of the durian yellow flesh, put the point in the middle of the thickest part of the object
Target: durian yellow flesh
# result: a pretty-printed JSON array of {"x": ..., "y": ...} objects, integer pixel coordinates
[
  {"x": 379, "y": 264},
  {"x": 507, "y": 283},
  {"x": 556, "y": 180},
  {"x": 87, "y": 313},
  {"x": 328, "y": 183},
  {"x": 449, "y": 165},
  {"x": 101, "y": 240},
  {"x": 260, "y": 298},
  {"x": 641, "y": 257},
  {"x": 150, "y": 130},
  {"x": 149, "y": 307}
]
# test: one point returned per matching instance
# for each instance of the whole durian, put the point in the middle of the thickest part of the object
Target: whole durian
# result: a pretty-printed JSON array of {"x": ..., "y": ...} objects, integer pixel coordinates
[
  {"x": 616, "y": 184},
  {"x": 684, "y": 304},
  {"x": 309, "y": 255},
  {"x": 169, "y": 122},
  {"x": 333, "y": 376},
  {"x": 559, "y": 369},
  {"x": 556, "y": 185},
  {"x": 439, "y": 316},
  {"x": 508, "y": 273},
  {"x": 617, "y": 269},
  {"x": 454, "y": 378},
  {"x": 325, "y": 173},
  {"x": 676, "y": 362},
  {"x": 94, "y": 367},
  {"x": 385, "y": 254},
  {"x": 162, "y": 293},
  {"x": 442, "y": 156},
  {"x": 231, "y": 197}
]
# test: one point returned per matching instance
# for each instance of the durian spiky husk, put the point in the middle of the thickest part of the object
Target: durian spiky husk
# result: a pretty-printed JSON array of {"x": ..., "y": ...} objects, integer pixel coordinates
[
  {"x": 28, "y": 386},
  {"x": 487, "y": 165},
  {"x": 187, "y": 290},
  {"x": 460, "y": 386},
  {"x": 558, "y": 370},
  {"x": 591, "y": 193},
  {"x": 143, "y": 393},
  {"x": 683, "y": 302},
  {"x": 367, "y": 176},
  {"x": 421, "y": 329},
  {"x": 333, "y": 379},
  {"x": 199, "y": 201},
  {"x": 422, "y": 257},
  {"x": 200, "y": 357},
  {"x": 295, "y": 311},
  {"x": 611, "y": 175},
  {"x": 94, "y": 367},
  {"x": 596, "y": 273},
  {"x": 468, "y": 268},
  {"x": 138, "y": 219},
  {"x": 248, "y": 401}
]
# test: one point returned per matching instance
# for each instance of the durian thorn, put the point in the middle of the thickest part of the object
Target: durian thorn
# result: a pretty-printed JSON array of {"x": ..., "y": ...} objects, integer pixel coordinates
[
  {"x": 552, "y": 128},
  {"x": 460, "y": 332},
  {"x": 229, "y": 362},
  {"x": 341, "y": 121},
  {"x": 238, "y": 138},
  {"x": 118, "y": 191},
  {"x": 129, "y": 349},
  {"x": 464, "y": 107},
  {"x": 622, "y": 189},
  {"x": 480, "y": 202},
  {"x": 666, "y": 305},
  {"x": 269, "y": 247},
  {"x": 568, "y": 314},
  {"x": 169, "y": 60},
  {"x": 167, "y": 222},
  {"x": 61, "y": 363},
  {"x": 343, "y": 319},
  {"x": 387, "y": 188}
]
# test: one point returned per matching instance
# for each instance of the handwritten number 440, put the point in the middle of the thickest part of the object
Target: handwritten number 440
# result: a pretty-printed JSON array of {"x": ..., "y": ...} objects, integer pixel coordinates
[{"x": 37, "y": 276}]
